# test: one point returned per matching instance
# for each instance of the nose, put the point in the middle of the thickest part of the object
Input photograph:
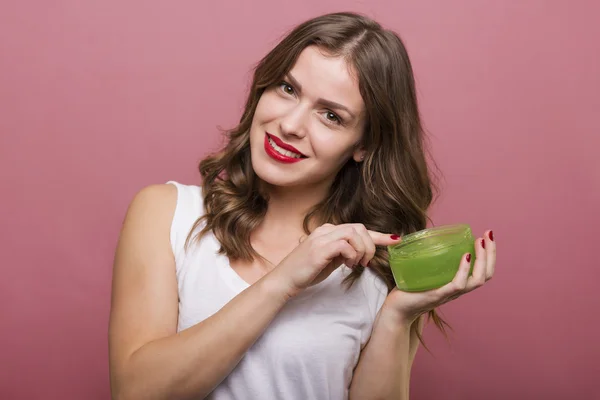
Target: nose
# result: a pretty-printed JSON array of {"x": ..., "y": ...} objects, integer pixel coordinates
[{"x": 293, "y": 122}]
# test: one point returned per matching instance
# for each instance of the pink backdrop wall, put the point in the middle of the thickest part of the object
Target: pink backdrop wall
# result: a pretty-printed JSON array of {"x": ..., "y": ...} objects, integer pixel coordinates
[{"x": 98, "y": 99}]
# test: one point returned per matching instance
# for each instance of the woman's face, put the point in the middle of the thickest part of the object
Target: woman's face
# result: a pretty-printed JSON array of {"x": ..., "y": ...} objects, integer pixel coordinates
[{"x": 308, "y": 126}]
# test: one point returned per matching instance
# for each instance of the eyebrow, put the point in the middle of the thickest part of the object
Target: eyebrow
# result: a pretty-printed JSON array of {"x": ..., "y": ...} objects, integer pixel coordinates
[{"x": 326, "y": 103}]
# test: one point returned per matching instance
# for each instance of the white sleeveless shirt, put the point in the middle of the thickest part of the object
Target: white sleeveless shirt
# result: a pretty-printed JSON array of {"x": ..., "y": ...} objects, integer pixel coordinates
[{"x": 308, "y": 351}]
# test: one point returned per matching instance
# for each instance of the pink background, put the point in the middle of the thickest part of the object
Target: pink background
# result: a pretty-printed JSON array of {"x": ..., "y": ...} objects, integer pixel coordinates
[{"x": 98, "y": 99}]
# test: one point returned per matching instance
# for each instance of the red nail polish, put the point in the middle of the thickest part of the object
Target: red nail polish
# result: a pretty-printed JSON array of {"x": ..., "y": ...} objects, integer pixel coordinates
[
  {"x": 483, "y": 243},
  {"x": 491, "y": 235},
  {"x": 395, "y": 237},
  {"x": 469, "y": 257}
]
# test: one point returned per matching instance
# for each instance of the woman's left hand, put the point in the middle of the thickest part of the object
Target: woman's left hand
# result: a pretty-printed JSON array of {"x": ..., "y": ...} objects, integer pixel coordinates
[{"x": 407, "y": 307}]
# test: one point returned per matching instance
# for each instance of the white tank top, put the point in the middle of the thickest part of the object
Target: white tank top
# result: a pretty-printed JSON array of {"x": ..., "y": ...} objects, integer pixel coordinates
[{"x": 309, "y": 350}]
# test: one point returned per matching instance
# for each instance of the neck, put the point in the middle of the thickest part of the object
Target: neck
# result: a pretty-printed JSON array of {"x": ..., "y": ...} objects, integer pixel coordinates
[{"x": 283, "y": 222}]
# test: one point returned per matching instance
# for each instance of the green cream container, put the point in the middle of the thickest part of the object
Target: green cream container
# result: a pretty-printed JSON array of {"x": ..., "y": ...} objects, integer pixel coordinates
[{"x": 429, "y": 259}]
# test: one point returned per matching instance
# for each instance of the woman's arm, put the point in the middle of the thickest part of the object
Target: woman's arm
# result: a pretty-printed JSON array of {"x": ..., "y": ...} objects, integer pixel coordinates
[
  {"x": 383, "y": 370},
  {"x": 148, "y": 359}
]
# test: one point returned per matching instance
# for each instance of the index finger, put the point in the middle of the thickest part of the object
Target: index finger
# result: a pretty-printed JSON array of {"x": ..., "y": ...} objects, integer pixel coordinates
[{"x": 384, "y": 239}]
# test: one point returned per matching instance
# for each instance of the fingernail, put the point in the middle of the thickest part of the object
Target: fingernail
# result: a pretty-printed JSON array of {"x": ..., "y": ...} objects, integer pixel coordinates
[
  {"x": 395, "y": 237},
  {"x": 469, "y": 257},
  {"x": 491, "y": 235},
  {"x": 483, "y": 243}
]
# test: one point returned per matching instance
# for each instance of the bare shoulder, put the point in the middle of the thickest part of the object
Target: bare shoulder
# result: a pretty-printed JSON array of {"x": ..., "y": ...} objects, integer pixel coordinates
[
  {"x": 160, "y": 198},
  {"x": 148, "y": 218},
  {"x": 144, "y": 241}
]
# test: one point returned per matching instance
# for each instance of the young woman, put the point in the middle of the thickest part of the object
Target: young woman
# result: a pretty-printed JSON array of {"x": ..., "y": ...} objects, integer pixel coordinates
[{"x": 271, "y": 281}]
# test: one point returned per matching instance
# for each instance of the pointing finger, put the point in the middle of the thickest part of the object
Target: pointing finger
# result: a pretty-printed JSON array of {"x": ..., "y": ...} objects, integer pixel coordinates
[{"x": 383, "y": 239}]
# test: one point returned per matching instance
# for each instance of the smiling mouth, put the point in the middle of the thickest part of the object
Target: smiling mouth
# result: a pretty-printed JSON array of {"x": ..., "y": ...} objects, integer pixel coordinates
[
  {"x": 283, "y": 151},
  {"x": 280, "y": 151}
]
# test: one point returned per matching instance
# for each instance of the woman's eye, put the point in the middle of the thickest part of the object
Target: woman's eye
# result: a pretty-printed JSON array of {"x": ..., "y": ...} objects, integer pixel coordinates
[
  {"x": 331, "y": 117},
  {"x": 287, "y": 89}
]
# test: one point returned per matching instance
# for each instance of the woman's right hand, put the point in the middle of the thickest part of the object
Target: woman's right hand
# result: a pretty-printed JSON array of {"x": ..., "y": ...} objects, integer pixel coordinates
[{"x": 324, "y": 250}]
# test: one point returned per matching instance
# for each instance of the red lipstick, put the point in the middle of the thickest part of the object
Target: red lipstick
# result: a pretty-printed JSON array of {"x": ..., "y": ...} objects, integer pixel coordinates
[{"x": 271, "y": 152}]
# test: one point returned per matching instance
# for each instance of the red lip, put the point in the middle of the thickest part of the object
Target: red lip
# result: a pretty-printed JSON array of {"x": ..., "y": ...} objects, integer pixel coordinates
[
  {"x": 283, "y": 145},
  {"x": 275, "y": 155}
]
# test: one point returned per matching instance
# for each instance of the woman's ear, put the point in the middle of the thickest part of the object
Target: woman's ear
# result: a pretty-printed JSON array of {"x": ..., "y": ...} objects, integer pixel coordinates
[{"x": 359, "y": 155}]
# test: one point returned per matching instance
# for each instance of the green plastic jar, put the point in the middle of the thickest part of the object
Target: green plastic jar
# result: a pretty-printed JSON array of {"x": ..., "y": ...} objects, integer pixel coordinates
[{"x": 430, "y": 258}]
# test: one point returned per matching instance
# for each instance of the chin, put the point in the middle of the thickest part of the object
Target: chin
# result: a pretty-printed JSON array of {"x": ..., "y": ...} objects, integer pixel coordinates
[{"x": 274, "y": 175}]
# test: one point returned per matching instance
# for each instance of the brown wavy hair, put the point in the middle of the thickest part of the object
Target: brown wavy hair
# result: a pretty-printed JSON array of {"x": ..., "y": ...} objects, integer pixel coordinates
[{"x": 390, "y": 191}]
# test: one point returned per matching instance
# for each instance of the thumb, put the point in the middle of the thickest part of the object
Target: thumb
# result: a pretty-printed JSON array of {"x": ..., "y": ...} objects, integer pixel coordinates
[{"x": 384, "y": 239}]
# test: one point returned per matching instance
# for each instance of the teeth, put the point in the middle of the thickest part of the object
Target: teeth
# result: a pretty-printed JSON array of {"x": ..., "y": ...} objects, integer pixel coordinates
[{"x": 283, "y": 151}]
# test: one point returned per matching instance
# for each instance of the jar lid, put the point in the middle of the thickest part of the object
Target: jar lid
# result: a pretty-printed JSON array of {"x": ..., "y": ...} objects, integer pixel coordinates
[{"x": 431, "y": 240}]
